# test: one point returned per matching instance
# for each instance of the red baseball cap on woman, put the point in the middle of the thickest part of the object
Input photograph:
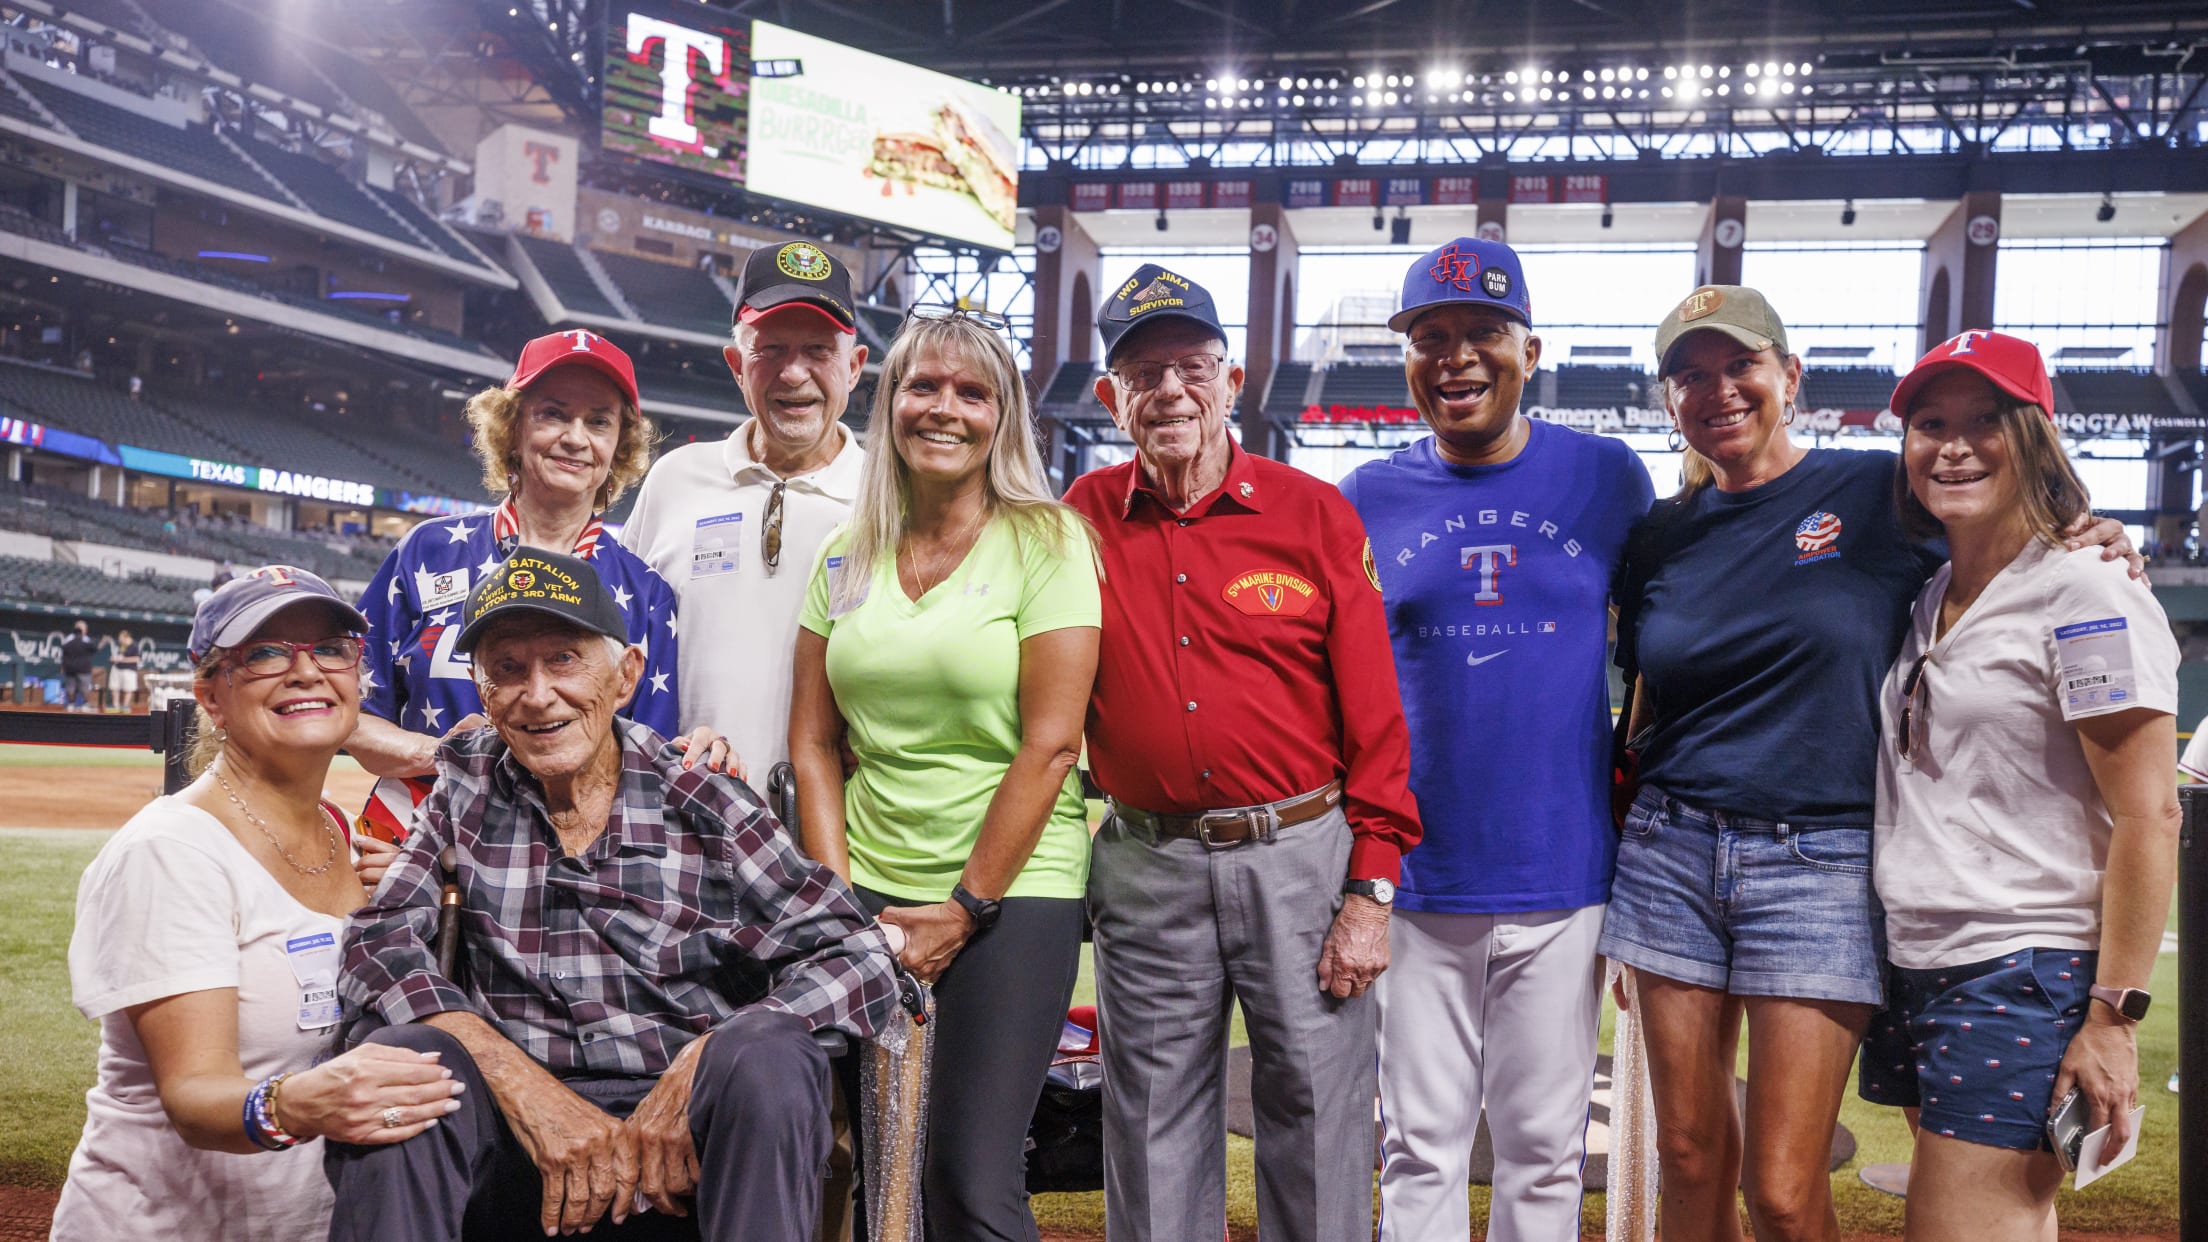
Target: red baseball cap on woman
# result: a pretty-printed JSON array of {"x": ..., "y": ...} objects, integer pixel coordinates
[
  {"x": 576, "y": 345},
  {"x": 2012, "y": 364}
]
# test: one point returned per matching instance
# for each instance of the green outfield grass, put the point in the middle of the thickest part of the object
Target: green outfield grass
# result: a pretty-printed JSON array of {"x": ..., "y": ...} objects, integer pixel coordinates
[{"x": 47, "y": 1049}]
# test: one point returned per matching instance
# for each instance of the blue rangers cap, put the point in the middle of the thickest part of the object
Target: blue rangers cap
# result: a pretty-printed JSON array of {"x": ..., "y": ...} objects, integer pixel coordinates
[
  {"x": 1468, "y": 270},
  {"x": 245, "y": 603}
]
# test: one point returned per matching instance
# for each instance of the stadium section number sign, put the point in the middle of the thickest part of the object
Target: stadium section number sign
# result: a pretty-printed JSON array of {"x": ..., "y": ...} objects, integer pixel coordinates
[
  {"x": 678, "y": 77},
  {"x": 868, "y": 136}
]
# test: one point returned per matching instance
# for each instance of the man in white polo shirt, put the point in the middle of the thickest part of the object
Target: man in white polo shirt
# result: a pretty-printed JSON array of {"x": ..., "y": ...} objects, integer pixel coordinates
[{"x": 733, "y": 526}]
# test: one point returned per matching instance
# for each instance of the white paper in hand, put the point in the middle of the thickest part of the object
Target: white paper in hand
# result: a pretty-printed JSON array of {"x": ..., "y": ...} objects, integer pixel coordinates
[{"x": 2095, "y": 1163}]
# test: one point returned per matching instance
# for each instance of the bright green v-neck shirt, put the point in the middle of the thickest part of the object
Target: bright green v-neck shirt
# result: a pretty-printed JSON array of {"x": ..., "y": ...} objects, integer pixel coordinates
[{"x": 930, "y": 690}]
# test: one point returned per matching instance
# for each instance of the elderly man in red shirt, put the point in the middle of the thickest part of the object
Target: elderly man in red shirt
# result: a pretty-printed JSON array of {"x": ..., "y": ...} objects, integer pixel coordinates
[{"x": 1247, "y": 729}]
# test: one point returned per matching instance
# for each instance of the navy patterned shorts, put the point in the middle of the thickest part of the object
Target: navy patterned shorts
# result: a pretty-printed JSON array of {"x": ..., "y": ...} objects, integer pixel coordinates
[{"x": 1976, "y": 1047}]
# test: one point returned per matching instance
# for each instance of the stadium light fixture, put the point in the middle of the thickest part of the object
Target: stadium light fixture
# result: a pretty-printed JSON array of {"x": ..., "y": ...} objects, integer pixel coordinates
[
  {"x": 1586, "y": 92},
  {"x": 1723, "y": 89},
  {"x": 1724, "y": 71},
  {"x": 1752, "y": 69},
  {"x": 1770, "y": 69},
  {"x": 1511, "y": 77},
  {"x": 2107, "y": 211},
  {"x": 1708, "y": 72},
  {"x": 1284, "y": 83},
  {"x": 1671, "y": 72},
  {"x": 1847, "y": 214}
]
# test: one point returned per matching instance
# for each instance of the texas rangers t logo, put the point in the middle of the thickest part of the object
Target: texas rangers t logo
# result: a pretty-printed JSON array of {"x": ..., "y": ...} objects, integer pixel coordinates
[
  {"x": 1485, "y": 559},
  {"x": 582, "y": 338}
]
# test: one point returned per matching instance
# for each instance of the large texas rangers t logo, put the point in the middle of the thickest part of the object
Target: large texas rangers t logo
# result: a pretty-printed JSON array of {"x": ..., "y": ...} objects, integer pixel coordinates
[{"x": 1818, "y": 537}]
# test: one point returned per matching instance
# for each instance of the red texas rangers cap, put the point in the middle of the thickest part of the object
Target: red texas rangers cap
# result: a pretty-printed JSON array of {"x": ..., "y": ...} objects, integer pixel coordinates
[
  {"x": 576, "y": 345},
  {"x": 2012, "y": 363}
]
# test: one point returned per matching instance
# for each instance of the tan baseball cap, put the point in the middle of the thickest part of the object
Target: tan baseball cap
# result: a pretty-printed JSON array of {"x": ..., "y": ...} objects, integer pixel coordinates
[{"x": 1735, "y": 310}]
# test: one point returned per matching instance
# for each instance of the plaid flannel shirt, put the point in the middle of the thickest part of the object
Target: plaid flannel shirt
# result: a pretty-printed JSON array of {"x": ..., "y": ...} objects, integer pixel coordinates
[{"x": 693, "y": 904}]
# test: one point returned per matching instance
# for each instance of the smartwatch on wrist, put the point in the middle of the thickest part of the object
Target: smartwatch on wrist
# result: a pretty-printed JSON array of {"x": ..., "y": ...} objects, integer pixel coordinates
[
  {"x": 2130, "y": 1004},
  {"x": 1379, "y": 890},
  {"x": 983, "y": 910}
]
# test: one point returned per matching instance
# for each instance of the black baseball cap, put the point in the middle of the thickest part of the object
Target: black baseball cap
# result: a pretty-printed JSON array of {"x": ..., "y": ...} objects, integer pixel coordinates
[
  {"x": 1152, "y": 295},
  {"x": 795, "y": 274},
  {"x": 533, "y": 580}
]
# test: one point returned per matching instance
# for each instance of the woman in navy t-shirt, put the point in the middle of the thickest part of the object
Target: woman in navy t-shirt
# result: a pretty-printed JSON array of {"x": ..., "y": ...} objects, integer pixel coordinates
[{"x": 1762, "y": 607}]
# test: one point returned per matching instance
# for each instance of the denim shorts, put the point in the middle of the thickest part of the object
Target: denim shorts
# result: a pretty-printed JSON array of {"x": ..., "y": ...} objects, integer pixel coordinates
[
  {"x": 1977, "y": 1047},
  {"x": 1746, "y": 906}
]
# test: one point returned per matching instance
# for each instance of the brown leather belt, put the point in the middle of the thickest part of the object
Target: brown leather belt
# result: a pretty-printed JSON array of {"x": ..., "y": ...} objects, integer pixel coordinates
[{"x": 1220, "y": 830}]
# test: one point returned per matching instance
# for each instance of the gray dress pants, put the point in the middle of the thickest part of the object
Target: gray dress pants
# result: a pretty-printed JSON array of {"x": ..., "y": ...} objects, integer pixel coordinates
[
  {"x": 758, "y": 1116},
  {"x": 1182, "y": 933}
]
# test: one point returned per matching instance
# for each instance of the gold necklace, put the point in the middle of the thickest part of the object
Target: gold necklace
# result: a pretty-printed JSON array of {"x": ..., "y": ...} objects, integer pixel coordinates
[
  {"x": 943, "y": 571},
  {"x": 262, "y": 824}
]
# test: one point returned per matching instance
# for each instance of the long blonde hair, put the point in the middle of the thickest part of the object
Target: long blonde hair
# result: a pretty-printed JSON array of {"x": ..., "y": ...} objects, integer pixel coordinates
[{"x": 1013, "y": 483}]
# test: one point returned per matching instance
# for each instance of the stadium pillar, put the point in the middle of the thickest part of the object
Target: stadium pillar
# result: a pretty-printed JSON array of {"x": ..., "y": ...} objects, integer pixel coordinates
[
  {"x": 2192, "y": 1022},
  {"x": 2184, "y": 299},
  {"x": 1272, "y": 326},
  {"x": 1717, "y": 254},
  {"x": 1959, "y": 260},
  {"x": 1066, "y": 278}
]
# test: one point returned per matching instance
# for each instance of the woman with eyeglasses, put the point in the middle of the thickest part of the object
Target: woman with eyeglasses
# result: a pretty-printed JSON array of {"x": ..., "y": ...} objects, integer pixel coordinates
[
  {"x": 951, "y": 631},
  {"x": 559, "y": 442},
  {"x": 1760, "y": 607},
  {"x": 206, "y": 947},
  {"x": 2027, "y": 805}
]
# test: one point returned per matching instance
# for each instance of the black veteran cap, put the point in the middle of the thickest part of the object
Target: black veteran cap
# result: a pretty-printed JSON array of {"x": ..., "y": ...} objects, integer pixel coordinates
[
  {"x": 534, "y": 580},
  {"x": 1151, "y": 295},
  {"x": 795, "y": 273}
]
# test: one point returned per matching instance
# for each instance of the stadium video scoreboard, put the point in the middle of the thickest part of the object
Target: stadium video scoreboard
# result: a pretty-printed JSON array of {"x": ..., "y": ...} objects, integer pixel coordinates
[{"x": 819, "y": 124}]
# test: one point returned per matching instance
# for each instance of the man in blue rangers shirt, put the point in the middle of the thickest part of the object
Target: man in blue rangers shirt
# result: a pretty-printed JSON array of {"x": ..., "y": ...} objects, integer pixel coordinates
[
  {"x": 560, "y": 440},
  {"x": 1494, "y": 543}
]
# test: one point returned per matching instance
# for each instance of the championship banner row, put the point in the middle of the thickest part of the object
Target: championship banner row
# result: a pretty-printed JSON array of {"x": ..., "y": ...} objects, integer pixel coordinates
[{"x": 1456, "y": 191}]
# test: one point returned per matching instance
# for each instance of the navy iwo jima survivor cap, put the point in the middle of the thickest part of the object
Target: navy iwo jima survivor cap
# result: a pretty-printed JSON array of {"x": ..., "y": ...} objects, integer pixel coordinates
[
  {"x": 1152, "y": 295},
  {"x": 533, "y": 580}
]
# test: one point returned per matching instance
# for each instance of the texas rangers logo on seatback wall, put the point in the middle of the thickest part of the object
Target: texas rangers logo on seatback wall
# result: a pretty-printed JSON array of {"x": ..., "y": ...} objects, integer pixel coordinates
[{"x": 1818, "y": 537}]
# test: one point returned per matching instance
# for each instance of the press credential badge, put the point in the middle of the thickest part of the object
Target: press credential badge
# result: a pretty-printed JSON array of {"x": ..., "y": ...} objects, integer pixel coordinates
[
  {"x": 716, "y": 547},
  {"x": 314, "y": 963},
  {"x": 2093, "y": 659}
]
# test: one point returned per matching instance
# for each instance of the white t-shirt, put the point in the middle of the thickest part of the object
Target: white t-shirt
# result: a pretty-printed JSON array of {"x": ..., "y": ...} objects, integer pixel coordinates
[
  {"x": 175, "y": 904},
  {"x": 2193, "y": 760},
  {"x": 697, "y": 522},
  {"x": 1995, "y": 838}
]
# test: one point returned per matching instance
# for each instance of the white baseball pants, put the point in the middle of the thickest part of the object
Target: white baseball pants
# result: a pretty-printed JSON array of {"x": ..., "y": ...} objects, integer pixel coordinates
[{"x": 1500, "y": 1009}]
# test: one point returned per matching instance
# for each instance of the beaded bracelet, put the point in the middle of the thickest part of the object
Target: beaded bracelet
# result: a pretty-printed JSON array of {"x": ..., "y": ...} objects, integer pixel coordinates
[
  {"x": 260, "y": 1123},
  {"x": 273, "y": 1117}
]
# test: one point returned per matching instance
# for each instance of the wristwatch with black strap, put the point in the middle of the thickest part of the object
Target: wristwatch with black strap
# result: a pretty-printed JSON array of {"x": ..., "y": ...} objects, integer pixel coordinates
[
  {"x": 983, "y": 910},
  {"x": 1379, "y": 890},
  {"x": 2130, "y": 1004}
]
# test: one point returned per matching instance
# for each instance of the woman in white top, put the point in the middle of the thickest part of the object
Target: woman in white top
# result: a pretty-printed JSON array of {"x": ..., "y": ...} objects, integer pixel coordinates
[
  {"x": 206, "y": 946},
  {"x": 2026, "y": 834}
]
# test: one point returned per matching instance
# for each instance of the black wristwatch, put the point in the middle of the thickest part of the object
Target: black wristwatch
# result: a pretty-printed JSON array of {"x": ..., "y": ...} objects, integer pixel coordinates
[
  {"x": 983, "y": 910},
  {"x": 1379, "y": 890},
  {"x": 2130, "y": 1004}
]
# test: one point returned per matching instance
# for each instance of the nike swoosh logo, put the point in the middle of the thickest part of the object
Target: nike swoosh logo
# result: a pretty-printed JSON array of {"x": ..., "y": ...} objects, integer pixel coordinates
[{"x": 1476, "y": 660}]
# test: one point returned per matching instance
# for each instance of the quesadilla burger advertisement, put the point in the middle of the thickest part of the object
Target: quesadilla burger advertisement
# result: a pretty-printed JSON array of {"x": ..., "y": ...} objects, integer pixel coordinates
[{"x": 870, "y": 136}]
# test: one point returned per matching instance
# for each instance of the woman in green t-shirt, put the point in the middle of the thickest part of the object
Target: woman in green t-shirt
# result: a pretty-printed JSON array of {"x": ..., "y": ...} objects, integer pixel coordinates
[{"x": 950, "y": 631}]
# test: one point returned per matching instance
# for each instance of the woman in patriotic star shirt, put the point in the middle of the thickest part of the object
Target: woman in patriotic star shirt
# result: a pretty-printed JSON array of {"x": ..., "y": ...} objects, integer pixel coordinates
[
  {"x": 2027, "y": 805},
  {"x": 559, "y": 443},
  {"x": 1761, "y": 607}
]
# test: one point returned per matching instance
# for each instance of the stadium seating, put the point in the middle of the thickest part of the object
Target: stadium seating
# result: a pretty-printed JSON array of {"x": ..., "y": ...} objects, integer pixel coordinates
[
  {"x": 116, "y": 13},
  {"x": 1284, "y": 400},
  {"x": 1846, "y": 388},
  {"x": 671, "y": 296},
  {"x": 1595, "y": 388},
  {"x": 439, "y": 235},
  {"x": 1364, "y": 384},
  {"x": 328, "y": 192},
  {"x": 84, "y": 586},
  {"x": 570, "y": 281},
  {"x": 60, "y": 399},
  {"x": 12, "y": 104},
  {"x": 63, "y": 514},
  {"x": 2116, "y": 390},
  {"x": 448, "y": 468},
  {"x": 284, "y": 439},
  {"x": 186, "y": 150},
  {"x": 1072, "y": 388}
]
